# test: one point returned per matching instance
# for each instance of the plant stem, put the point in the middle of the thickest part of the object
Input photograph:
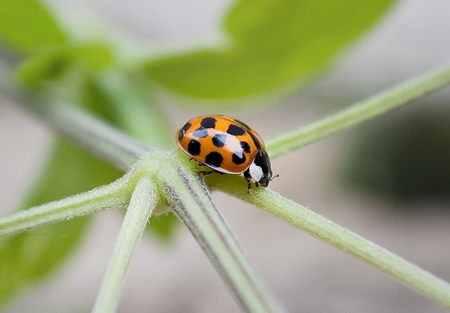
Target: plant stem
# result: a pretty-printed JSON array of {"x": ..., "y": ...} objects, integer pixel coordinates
[
  {"x": 112, "y": 196},
  {"x": 142, "y": 203},
  {"x": 97, "y": 136},
  {"x": 360, "y": 112},
  {"x": 409, "y": 274},
  {"x": 196, "y": 210},
  {"x": 190, "y": 201},
  {"x": 205, "y": 222}
]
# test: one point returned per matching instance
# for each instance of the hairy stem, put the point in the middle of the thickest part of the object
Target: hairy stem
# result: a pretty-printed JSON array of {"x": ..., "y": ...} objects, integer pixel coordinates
[
  {"x": 190, "y": 201},
  {"x": 97, "y": 136},
  {"x": 112, "y": 196},
  {"x": 409, "y": 274},
  {"x": 360, "y": 112},
  {"x": 90, "y": 132},
  {"x": 142, "y": 203},
  {"x": 203, "y": 219}
]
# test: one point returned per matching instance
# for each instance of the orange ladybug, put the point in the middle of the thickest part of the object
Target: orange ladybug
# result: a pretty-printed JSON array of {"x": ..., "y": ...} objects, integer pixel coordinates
[{"x": 227, "y": 146}]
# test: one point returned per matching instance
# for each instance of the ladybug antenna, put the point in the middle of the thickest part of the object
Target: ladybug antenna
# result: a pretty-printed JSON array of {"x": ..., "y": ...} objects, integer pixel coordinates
[{"x": 274, "y": 177}]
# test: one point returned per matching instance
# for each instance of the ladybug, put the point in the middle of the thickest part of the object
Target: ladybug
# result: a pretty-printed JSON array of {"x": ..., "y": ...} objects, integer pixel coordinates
[{"x": 227, "y": 146}]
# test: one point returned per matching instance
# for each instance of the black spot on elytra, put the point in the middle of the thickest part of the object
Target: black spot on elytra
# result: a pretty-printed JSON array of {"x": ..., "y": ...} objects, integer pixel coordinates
[
  {"x": 245, "y": 146},
  {"x": 214, "y": 158},
  {"x": 183, "y": 130},
  {"x": 219, "y": 140},
  {"x": 208, "y": 122},
  {"x": 235, "y": 130},
  {"x": 200, "y": 133},
  {"x": 238, "y": 158},
  {"x": 194, "y": 147}
]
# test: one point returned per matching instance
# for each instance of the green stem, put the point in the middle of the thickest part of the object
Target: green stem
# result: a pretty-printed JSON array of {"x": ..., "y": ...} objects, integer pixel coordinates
[
  {"x": 97, "y": 136},
  {"x": 190, "y": 201},
  {"x": 112, "y": 196},
  {"x": 142, "y": 203},
  {"x": 360, "y": 112},
  {"x": 246, "y": 286},
  {"x": 412, "y": 276}
]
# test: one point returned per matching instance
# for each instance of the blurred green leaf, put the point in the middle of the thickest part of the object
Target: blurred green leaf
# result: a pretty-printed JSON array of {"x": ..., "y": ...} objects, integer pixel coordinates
[
  {"x": 122, "y": 101},
  {"x": 53, "y": 63},
  {"x": 28, "y": 257},
  {"x": 32, "y": 256},
  {"x": 25, "y": 25},
  {"x": 272, "y": 43},
  {"x": 128, "y": 104}
]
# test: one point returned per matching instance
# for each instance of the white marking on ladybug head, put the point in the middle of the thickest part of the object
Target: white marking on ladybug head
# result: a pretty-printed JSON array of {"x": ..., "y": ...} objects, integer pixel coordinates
[{"x": 256, "y": 172}]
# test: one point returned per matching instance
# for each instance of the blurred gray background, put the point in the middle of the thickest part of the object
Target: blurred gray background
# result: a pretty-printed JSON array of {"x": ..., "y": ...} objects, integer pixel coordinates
[{"x": 308, "y": 276}]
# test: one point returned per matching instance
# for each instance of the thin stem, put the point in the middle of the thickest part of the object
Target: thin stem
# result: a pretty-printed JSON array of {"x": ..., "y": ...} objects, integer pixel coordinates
[
  {"x": 190, "y": 201},
  {"x": 122, "y": 150},
  {"x": 97, "y": 136},
  {"x": 360, "y": 112},
  {"x": 409, "y": 274},
  {"x": 245, "y": 284},
  {"x": 112, "y": 196},
  {"x": 142, "y": 203}
]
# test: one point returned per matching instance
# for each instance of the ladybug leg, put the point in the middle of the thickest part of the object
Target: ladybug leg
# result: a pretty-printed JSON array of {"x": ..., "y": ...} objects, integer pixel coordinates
[
  {"x": 205, "y": 173},
  {"x": 190, "y": 159},
  {"x": 248, "y": 178}
]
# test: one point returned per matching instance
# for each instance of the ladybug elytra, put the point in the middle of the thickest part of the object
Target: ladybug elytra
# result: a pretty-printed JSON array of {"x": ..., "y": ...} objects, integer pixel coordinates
[{"x": 227, "y": 146}]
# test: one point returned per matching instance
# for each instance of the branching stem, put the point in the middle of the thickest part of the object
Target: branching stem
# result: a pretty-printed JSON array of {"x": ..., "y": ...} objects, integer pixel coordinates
[
  {"x": 190, "y": 201},
  {"x": 112, "y": 196},
  {"x": 409, "y": 274}
]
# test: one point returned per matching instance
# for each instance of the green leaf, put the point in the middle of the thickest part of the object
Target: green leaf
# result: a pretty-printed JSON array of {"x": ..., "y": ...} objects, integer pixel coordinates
[
  {"x": 127, "y": 103},
  {"x": 52, "y": 64},
  {"x": 121, "y": 100},
  {"x": 29, "y": 257},
  {"x": 272, "y": 43},
  {"x": 26, "y": 25}
]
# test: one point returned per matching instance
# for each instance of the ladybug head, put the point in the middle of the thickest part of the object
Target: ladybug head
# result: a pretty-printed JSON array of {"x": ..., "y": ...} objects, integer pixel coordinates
[{"x": 260, "y": 169}]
